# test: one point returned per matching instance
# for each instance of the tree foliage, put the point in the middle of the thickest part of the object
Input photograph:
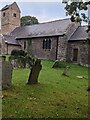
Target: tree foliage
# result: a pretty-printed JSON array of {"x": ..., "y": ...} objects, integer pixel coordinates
[
  {"x": 28, "y": 20},
  {"x": 73, "y": 9},
  {"x": 22, "y": 58},
  {"x": 17, "y": 53}
]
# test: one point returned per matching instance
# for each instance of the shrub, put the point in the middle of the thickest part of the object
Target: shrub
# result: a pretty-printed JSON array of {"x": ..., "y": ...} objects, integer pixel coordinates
[
  {"x": 18, "y": 53},
  {"x": 15, "y": 52}
]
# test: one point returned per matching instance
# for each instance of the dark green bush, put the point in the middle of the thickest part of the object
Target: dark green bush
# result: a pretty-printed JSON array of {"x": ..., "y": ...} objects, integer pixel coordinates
[
  {"x": 15, "y": 52},
  {"x": 22, "y": 58},
  {"x": 18, "y": 53}
]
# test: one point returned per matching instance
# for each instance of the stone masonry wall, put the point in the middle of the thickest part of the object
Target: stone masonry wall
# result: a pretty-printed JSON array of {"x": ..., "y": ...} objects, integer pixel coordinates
[
  {"x": 9, "y": 22},
  {"x": 62, "y": 48},
  {"x": 38, "y": 51},
  {"x": 36, "y": 47},
  {"x": 63, "y": 41},
  {"x": 12, "y": 47},
  {"x": 82, "y": 57}
]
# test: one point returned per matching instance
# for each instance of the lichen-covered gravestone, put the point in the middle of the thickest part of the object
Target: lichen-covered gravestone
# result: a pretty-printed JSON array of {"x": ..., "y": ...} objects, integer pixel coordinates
[
  {"x": 35, "y": 70},
  {"x": 6, "y": 74}
]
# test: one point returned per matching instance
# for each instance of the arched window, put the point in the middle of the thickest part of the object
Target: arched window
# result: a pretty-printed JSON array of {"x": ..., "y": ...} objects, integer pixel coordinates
[
  {"x": 47, "y": 43},
  {"x": 44, "y": 43}
]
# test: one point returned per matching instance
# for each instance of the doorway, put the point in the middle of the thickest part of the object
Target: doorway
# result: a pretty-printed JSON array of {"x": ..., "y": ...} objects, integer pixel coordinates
[{"x": 75, "y": 55}]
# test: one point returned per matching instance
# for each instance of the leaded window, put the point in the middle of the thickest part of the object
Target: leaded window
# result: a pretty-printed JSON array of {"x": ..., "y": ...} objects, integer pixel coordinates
[{"x": 47, "y": 43}]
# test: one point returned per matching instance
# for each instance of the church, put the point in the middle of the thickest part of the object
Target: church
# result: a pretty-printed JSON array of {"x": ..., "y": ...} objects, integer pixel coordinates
[{"x": 56, "y": 40}]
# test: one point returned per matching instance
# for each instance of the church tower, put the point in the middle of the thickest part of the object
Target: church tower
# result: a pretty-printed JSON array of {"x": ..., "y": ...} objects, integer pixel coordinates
[{"x": 10, "y": 18}]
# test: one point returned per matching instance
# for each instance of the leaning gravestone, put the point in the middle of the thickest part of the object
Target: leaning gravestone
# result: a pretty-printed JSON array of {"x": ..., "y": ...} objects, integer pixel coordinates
[
  {"x": 6, "y": 73},
  {"x": 35, "y": 70}
]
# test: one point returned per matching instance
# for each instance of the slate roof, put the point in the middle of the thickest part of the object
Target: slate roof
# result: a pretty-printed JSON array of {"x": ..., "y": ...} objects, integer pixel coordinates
[
  {"x": 53, "y": 28},
  {"x": 7, "y": 6},
  {"x": 79, "y": 34},
  {"x": 10, "y": 39}
]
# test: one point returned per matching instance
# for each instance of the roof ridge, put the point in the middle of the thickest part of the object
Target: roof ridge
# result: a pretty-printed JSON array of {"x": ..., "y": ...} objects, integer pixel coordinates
[
  {"x": 46, "y": 22},
  {"x": 55, "y": 20}
]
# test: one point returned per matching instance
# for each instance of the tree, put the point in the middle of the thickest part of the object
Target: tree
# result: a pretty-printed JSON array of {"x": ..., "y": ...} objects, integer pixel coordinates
[
  {"x": 28, "y": 20},
  {"x": 74, "y": 10}
]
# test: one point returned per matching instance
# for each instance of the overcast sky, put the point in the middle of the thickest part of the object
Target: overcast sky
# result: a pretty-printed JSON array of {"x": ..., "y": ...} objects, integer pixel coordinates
[{"x": 44, "y": 11}]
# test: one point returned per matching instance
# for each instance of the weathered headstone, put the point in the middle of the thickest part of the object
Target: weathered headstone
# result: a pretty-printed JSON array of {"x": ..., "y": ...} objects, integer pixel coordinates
[
  {"x": 66, "y": 69},
  {"x": 35, "y": 70},
  {"x": 6, "y": 74}
]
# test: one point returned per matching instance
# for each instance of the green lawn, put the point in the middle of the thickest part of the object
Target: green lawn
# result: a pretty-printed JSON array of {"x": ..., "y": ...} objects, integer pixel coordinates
[{"x": 54, "y": 96}]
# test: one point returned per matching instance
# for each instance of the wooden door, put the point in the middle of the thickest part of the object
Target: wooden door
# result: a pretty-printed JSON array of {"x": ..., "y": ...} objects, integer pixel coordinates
[{"x": 75, "y": 54}]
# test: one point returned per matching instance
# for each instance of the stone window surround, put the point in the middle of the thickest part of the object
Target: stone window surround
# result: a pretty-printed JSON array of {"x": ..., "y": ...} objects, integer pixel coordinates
[{"x": 47, "y": 44}]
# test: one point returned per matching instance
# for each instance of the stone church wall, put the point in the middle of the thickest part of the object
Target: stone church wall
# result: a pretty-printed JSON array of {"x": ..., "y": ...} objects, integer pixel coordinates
[
  {"x": 37, "y": 49},
  {"x": 11, "y": 47},
  {"x": 82, "y": 57},
  {"x": 35, "y": 46}
]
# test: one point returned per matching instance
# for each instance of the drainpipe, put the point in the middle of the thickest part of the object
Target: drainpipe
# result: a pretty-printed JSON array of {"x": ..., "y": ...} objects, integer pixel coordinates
[{"x": 57, "y": 47}]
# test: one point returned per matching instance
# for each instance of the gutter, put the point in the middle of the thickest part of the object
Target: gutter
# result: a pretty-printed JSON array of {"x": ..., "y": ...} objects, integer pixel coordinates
[{"x": 27, "y": 37}]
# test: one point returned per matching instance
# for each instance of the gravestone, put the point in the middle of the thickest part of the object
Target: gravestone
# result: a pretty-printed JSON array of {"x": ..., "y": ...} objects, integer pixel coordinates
[
  {"x": 6, "y": 73},
  {"x": 66, "y": 69},
  {"x": 35, "y": 70}
]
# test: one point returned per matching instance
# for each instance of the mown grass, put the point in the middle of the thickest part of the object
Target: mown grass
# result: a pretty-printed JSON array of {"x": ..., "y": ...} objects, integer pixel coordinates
[{"x": 55, "y": 96}]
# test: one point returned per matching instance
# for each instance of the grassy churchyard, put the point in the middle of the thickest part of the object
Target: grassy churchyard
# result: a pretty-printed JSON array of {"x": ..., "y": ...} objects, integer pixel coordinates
[{"x": 54, "y": 96}]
